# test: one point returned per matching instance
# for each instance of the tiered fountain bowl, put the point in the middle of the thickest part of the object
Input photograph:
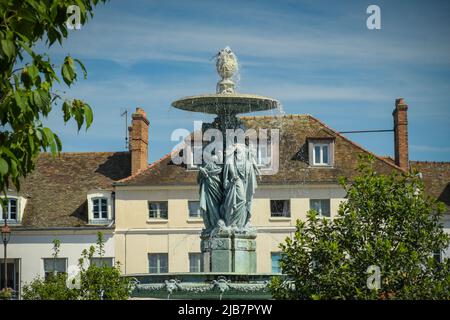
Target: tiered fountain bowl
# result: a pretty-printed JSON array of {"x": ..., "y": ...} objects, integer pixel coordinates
[{"x": 226, "y": 103}]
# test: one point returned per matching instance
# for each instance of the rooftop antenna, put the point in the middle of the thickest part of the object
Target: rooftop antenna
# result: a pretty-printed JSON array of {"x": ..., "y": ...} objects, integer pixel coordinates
[{"x": 125, "y": 114}]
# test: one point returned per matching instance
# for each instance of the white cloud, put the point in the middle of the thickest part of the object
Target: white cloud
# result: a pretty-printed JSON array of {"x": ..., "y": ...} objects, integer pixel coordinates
[{"x": 129, "y": 39}]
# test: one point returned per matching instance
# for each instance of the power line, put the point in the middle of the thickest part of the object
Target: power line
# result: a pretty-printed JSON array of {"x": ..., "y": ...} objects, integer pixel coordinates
[{"x": 368, "y": 131}]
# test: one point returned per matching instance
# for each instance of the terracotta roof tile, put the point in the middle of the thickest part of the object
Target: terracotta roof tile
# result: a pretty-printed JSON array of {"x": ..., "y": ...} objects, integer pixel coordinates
[
  {"x": 294, "y": 167},
  {"x": 436, "y": 177},
  {"x": 56, "y": 190}
]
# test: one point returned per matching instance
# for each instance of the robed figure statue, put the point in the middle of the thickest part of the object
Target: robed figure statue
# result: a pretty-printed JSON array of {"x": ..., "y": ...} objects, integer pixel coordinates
[
  {"x": 239, "y": 184},
  {"x": 210, "y": 182}
]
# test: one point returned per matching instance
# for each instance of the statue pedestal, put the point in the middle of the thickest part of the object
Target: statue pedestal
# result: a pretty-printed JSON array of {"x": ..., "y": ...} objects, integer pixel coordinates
[{"x": 229, "y": 253}]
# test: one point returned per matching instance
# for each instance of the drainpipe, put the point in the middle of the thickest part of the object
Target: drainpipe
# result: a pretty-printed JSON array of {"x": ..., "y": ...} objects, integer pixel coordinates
[{"x": 125, "y": 253}]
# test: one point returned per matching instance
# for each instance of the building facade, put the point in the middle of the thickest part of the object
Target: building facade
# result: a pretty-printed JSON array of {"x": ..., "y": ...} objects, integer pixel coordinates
[
  {"x": 158, "y": 224},
  {"x": 69, "y": 198},
  {"x": 149, "y": 213}
]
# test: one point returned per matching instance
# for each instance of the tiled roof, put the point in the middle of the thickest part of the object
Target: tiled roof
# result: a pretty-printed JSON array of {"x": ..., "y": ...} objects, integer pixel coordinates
[
  {"x": 294, "y": 167},
  {"x": 56, "y": 190},
  {"x": 436, "y": 177}
]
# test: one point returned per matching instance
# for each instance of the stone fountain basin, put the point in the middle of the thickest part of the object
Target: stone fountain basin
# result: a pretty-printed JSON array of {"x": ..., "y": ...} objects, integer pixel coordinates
[
  {"x": 199, "y": 285},
  {"x": 226, "y": 103}
]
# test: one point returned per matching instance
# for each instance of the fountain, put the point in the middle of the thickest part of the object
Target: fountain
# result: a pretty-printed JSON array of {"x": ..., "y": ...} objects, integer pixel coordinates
[
  {"x": 227, "y": 187},
  {"x": 227, "y": 182}
]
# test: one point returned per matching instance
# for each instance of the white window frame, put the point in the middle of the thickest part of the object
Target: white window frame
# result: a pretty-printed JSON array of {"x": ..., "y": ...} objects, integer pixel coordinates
[
  {"x": 329, "y": 143},
  {"x": 100, "y": 208},
  {"x": 58, "y": 258},
  {"x": 20, "y": 205},
  {"x": 98, "y": 195},
  {"x": 319, "y": 212},
  {"x": 158, "y": 215},
  {"x": 288, "y": 201}
]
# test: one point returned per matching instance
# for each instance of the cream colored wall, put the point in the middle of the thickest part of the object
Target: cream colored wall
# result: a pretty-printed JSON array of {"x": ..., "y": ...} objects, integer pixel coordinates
[
  {"x": 31, "y": 247},
  {"x": 136, "y": 236}
]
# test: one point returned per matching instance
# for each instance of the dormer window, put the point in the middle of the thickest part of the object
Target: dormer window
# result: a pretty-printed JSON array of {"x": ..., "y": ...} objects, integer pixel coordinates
[
  {"x": 11, "y": 210},
  {"x": 100, "y": 206},
  {"x": 321, "y": 152}
]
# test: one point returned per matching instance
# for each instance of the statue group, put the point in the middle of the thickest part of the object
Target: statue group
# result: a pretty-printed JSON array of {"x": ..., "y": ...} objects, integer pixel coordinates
[{"x": 226, "y": 190}]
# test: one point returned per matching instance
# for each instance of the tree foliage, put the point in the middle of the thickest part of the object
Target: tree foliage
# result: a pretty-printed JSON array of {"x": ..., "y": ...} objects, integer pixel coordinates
[
  {"x": 27, "y": 80},
  {"x": 94, "y": 282},
  {"x": 101, "y": 282},
  {"x": 387, "y": 221}
]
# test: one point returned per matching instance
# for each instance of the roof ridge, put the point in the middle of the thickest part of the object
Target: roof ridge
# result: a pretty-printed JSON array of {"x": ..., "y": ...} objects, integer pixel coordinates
[
  {"x": 356, "y": 144},
  {"x": 430, "y": 161},
  {"x": 85, "y": 152},
  {"x": 274, "y": 116}
]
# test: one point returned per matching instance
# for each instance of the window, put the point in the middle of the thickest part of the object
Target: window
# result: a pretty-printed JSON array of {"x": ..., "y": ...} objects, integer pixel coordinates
[
  {"x": 275, "y": 257},
  {"x": 437, "y": 256},
  {"x": 322, "y": 206},
  {"x": 54, "y": 266},
  {"x": 11, "y": 210},
  {"x": 100, "y": 208},
  {"x": 321, "y": 152},
  {"x": 195, "y": 262},
  {"x": 157, "y": 210},
  {"x": 158, "y": 263},
  {"x": 280, "y": 208},
  {"x": 194, "y": 209},
  {"x": 102, "y": 261}
]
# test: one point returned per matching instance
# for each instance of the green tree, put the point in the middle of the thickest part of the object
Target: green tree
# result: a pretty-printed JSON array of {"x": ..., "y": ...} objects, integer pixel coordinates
[
  {"x": 95, "y": 282},
  {"x": 388, "y": 222},
  {"x": 27, "y": 81},
  {"x": 101, "y": 282}
]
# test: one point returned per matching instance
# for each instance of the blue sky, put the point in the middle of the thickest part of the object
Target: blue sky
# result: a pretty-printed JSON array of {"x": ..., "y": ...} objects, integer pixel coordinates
[{"x": 316, "y": 57}]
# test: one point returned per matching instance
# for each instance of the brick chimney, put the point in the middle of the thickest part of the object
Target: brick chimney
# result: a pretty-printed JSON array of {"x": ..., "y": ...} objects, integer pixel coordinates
[
  {"x": 139, "y": 141},
  {"x": 401, "y": 133}
]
